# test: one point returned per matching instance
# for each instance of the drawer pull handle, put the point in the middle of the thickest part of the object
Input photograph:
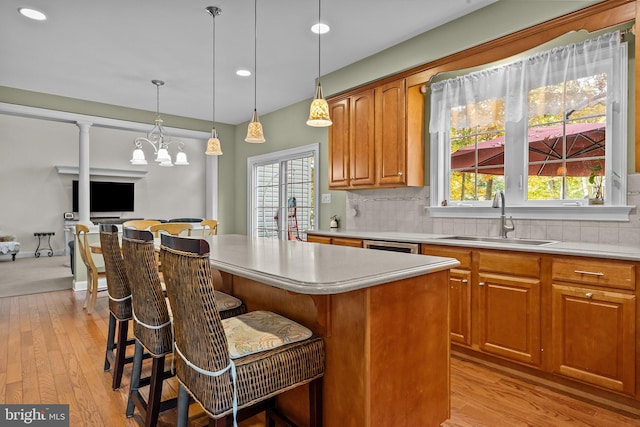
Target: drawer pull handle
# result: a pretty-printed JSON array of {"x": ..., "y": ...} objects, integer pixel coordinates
[
  {"x": 590, "y": 273},
  {"x": 589, "y": 295}
]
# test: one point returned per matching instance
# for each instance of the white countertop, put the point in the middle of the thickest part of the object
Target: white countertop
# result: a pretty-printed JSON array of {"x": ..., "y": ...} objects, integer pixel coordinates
[
  {"x": 597, "y": 250},
  {"x": 312, "y": 268}
]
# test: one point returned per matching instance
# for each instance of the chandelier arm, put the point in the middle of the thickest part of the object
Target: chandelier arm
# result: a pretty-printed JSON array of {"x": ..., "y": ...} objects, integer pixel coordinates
[{"x": 139, "y": 140}]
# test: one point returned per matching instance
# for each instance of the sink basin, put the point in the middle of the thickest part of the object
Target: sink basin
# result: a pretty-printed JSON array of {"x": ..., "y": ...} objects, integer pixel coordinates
[{"x": 510, "y": 241}]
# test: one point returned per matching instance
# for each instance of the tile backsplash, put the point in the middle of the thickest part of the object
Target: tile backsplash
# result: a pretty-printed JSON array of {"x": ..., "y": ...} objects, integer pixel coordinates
[{"x": 404, "y": 210}]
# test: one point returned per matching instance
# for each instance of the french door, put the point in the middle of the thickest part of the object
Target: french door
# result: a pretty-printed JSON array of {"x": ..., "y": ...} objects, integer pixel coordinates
[{"x": 283, "y": 193}]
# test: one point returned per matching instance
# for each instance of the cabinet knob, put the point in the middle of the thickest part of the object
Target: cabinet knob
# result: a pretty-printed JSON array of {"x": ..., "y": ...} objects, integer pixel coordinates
[
  {"x": 399, "y": 173},
  {"x": 465, "y": 281},
  {"x": 481, "y": 284},
  {"x": 589, "y": 295}
]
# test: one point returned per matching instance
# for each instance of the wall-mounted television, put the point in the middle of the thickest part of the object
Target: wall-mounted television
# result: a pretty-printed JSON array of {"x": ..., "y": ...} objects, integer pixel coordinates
[{"x": 107, "y": 196}]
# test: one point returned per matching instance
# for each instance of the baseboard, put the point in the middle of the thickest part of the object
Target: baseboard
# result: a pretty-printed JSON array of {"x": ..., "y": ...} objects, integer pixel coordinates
[{"x": 81, "y": 285}]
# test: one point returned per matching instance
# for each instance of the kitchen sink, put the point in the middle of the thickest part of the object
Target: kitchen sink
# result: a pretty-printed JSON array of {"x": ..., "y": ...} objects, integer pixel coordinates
[{"x": 510, "y": 241}]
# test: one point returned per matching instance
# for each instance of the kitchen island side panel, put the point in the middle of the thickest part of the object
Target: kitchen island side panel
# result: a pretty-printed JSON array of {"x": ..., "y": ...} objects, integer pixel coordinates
[{"x": 387, "y": 350}]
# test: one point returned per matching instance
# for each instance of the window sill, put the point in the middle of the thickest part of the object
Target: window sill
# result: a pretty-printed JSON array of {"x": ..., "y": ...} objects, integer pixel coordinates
[{"x": 577, "y": 213}]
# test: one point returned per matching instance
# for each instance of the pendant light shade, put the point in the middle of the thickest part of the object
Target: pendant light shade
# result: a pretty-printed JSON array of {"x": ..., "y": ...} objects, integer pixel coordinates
[
  {"x": 255, "y": 133},
  {"x": 319, "y": 110},
  {"x": 213, "y": 145}
]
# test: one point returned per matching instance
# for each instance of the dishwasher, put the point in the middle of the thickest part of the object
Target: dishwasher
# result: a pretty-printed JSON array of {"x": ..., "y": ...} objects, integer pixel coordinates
[{"x": 410, "y": 248}]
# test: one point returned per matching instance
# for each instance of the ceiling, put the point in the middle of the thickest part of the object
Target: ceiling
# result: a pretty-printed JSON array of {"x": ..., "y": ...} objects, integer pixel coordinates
[{"x": 109, "y": 52}]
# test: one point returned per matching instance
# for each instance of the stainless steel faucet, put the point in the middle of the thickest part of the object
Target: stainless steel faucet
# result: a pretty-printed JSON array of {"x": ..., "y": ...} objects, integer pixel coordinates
[{"x": 504, "y": 229}]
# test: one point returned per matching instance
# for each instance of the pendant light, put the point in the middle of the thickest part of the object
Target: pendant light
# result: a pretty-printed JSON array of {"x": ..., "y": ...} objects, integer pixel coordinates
[
  {"x": 319, "y": 111},
  {"x": 213, "y": 145},
  {"x": 254, "y": 130}
]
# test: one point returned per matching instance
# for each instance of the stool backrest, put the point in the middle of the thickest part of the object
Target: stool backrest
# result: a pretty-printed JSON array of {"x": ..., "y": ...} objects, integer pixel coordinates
[
  {"x": 209, "y": 227},
  {"x": 147, "y": 298},
  {"x": 197, "y": 328},
  {"x": 117, "y": 280}
]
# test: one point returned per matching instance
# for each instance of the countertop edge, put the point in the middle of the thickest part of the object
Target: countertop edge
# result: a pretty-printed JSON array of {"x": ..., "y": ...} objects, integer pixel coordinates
[{"x": 333, "y": 287}]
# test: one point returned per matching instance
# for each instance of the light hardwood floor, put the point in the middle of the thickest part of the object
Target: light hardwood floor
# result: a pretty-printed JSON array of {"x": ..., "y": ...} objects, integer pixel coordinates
[{"x": 51, "y": 351}]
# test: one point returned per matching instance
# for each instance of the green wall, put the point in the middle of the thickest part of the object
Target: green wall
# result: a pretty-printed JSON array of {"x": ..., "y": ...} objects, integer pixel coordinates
[{"x": 283, "y": 129}]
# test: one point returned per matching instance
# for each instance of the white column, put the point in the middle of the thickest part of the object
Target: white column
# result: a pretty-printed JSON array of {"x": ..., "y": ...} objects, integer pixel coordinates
[{"x": 83, "y": 174}]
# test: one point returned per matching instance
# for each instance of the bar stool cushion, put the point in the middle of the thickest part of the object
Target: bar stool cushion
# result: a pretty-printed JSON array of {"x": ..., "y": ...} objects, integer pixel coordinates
[
  {"x": 259, "y": 331},
  {"x": 226, "y": 301}
]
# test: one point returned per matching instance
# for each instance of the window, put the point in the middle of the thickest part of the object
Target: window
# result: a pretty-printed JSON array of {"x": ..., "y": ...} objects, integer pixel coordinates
[
  {"x": 548, "y": 130},
  {"x": 283, "y": 193}
]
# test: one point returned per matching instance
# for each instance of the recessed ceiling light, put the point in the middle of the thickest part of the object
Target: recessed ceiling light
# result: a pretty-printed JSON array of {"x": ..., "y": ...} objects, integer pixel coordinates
[
  {"x": 32, "y": 14},
  {"x": 243, "y": 73},
  {"x": 320, "y": 28}
]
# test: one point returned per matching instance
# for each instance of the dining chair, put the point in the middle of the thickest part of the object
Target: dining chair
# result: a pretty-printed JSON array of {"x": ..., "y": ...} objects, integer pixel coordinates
[
  {"x": 119, "y": 303},
  {"x": 173, "y": 228},
  {"x": 233, "y": 367},
  {"x": 140, "y": 224},
  {"x": 209, "y": 227},
  {"x": 93, "y": 272}
]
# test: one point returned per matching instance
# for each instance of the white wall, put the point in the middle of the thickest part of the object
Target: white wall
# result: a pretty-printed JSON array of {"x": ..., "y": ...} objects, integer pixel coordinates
[{"x": 33, "y": 196}]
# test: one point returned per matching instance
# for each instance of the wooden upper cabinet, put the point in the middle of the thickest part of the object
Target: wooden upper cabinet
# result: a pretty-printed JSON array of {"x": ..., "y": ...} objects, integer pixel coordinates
[
  {"x": 390, "y": 138},
  {"x": 361, "y": 139},
  {"x": 377, "y": 137},
  {"x": 339, "y": 144}
]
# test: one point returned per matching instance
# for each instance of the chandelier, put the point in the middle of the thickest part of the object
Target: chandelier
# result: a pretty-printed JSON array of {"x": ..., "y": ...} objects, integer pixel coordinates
[{"x": 159, "y": 140}]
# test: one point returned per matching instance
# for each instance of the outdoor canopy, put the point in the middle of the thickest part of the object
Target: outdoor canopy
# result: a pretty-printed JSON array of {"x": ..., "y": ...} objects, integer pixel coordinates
[{"x": 583, "y": 140}]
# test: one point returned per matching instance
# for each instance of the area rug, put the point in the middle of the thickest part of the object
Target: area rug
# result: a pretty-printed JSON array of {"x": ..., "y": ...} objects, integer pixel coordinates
[{"x": 30, "y": 275}]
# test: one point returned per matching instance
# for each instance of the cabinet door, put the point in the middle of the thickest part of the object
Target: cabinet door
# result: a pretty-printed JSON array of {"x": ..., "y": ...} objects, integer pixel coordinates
[
  {"x": 509, "y": 317},
  {"x": 339, "y": 144},
  {"x": 593, "y": 336},
  {"x": 391, "y": 144},
  {"x": 460, "y": 306},
  {"x": 361, "y": 139}
]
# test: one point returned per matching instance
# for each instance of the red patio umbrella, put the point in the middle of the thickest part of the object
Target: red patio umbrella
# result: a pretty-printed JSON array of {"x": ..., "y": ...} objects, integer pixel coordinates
[{"x": 583, "y": 140}]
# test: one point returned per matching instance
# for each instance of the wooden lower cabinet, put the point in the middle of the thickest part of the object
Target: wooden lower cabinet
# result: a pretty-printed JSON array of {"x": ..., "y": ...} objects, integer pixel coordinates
[
  {"x": 593, "y": 334},
  {"x": 459, "y": 291},
  {"x": 509, "y": 317},
  {"x": 593, "y": 321},
  {"x": 460, "y": 306}
]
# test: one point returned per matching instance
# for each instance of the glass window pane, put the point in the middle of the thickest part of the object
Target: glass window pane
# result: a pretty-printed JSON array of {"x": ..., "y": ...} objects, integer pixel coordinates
[
  {"x": 477, "y": 152},
  {"x": 566, "y": 137}
]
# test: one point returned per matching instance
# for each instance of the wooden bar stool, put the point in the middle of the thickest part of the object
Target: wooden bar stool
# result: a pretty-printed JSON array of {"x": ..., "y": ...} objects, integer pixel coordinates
[
  {"x": 152, "y": 323},
  {"x": 119, "y": 303}
]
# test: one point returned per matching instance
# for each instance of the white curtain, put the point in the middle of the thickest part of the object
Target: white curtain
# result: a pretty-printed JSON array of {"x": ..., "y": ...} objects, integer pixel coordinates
[{"x": 512, "y": 82}]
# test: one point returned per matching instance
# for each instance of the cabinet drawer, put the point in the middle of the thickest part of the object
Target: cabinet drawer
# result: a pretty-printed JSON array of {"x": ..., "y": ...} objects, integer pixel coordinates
[
  {"x": 464, "y": 256},
  {"x": 510, "y": 263},
  {"x": 319, "y": 239},
  {"x": 345, "y": 241},
  {"x": 608, "y": 273}
]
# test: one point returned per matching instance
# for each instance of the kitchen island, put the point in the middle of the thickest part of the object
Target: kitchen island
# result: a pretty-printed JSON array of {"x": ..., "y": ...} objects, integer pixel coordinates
[{"x": 383, "y": 316}]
